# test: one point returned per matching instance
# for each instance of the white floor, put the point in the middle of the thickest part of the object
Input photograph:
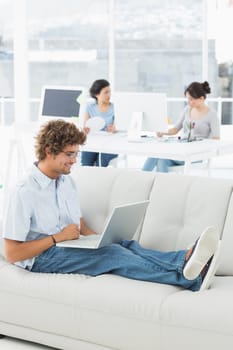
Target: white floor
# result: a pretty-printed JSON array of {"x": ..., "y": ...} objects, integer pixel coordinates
[{"x": 16, "y": 344}]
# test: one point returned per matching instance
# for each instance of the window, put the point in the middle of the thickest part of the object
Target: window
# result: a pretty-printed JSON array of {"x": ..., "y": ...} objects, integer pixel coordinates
[
  {"x": 220, "y": 15},
  {"x": 6, "y": 60},
  {"x": 158, "y": 45},
  {"x": 68, "y": 42}
]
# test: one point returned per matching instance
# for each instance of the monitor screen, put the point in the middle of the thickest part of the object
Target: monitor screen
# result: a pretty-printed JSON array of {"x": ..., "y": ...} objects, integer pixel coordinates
[
  {"x": 61, "y": 102},
  {"x": 151, "y": 106}
]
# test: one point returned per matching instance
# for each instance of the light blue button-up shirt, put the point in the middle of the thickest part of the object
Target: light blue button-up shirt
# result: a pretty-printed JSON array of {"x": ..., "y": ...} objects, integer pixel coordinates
[{"x": 40, "y": 206}]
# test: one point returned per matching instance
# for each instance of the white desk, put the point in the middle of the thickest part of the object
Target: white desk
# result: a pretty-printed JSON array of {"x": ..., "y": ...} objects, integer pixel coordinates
[{"x": 187, "y": 151}]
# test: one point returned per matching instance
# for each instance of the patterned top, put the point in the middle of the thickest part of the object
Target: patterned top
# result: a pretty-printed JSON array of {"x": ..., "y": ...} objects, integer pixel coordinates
[{"x": 206, "y": 127}]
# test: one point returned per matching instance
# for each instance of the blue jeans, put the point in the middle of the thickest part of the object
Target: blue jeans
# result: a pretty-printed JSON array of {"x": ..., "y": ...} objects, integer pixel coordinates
[
  {"x": 126, "y": 259},
  {"x": 162, "y": 165},
  {"x": 92, "y": 158}
]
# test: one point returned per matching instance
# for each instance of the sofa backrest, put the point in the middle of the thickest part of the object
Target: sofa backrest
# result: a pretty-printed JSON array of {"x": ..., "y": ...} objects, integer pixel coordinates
[
  {"x": 180, "y": 206},
  {"x": 101, "y": 189},
  {"x": 226, "y": 253}
]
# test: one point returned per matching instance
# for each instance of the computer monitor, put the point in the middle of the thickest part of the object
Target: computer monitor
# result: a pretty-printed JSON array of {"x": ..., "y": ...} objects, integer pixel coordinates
[
  {"x": 61, "y": 102},
  {"x": 152, "y": 107}
]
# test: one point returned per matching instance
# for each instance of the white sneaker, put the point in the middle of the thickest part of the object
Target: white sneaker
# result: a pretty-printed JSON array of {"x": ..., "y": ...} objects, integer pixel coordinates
[
  {"x": 211, "y": 269},
  {"x": 204, "y": 248}
]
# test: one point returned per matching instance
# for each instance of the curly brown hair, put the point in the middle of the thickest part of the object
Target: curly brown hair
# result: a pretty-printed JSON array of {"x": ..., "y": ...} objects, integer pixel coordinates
[{"x": 55, "y": 136}]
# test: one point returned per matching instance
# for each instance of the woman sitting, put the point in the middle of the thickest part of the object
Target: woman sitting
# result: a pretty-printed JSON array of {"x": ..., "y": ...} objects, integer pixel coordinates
[
  {"x": 197, "y": 121},
  {"x": 101, "y": 107}
]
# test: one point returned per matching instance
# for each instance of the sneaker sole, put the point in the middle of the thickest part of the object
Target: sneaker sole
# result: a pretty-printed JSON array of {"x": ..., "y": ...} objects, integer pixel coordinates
[
  {"x": 212, "y": 269},
  {"x": 204, "y": 249}
]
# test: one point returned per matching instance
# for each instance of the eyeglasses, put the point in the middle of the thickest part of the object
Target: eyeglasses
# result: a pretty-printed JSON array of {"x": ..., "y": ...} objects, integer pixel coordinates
[{"x": 71, "y": 155}]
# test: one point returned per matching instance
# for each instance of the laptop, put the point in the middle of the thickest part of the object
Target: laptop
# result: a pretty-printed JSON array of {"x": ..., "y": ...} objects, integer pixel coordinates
[{"x": 121, "y": 224}]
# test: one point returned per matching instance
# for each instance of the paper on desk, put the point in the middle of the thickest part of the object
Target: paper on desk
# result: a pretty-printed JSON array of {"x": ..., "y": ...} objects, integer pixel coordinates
[{"x": 95, "y": 123}]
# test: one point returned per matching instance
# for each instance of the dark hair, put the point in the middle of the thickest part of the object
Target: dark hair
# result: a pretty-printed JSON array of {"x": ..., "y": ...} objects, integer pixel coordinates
[
  {"x": 197, "y": 90},
  {"x": 97, "y": 86},
  {"x": 55, "y": 136}
]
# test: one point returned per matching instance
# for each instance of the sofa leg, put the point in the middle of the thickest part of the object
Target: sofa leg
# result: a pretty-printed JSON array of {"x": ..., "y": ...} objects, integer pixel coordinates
[{"x": 2, "y": 336}]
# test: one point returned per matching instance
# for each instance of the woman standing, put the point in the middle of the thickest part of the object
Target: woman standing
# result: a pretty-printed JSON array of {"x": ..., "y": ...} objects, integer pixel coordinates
[
  {"x": 198, "y": 121},
  {"x": 103, "y": 108}
]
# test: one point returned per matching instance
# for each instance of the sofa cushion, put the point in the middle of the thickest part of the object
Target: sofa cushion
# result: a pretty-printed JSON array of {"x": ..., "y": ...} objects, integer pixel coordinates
[
  {"x": 93, "y": 309},
  {"x": 94, "y": 190},
  {"x": 128, "y": 309},
  {"x": 226, "y": 253},
  {"x": 103, "y": 188},
  {"x": 200, "y": 320},
  {"x": 181, "y": 207}
]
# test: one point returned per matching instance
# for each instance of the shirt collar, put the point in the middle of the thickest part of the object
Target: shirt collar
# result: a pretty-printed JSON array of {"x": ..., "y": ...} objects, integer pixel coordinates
[{"x": 42, "y": 179}]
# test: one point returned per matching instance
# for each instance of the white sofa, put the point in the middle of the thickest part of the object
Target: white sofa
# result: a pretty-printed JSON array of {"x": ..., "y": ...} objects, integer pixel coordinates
[{"x": 110, "y": 312}]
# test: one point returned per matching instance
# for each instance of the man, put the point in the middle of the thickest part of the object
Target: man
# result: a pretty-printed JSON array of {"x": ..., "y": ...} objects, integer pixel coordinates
[{"x": 44, "y": 210}]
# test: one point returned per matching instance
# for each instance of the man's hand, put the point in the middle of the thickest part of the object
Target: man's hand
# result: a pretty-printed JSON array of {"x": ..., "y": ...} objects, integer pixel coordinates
[
  {"x": 71, "y": 231},
  {"x": 17, "y": 250}
]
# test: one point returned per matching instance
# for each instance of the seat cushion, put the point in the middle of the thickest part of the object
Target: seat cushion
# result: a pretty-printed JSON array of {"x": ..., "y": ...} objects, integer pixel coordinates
[
  {"x": 93, "y": 309},
  {"x": 200, "y": 320}
]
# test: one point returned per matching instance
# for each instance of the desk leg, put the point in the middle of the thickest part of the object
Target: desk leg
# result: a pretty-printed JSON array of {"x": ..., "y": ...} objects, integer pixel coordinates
[{"x": 100, "y": 160}]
